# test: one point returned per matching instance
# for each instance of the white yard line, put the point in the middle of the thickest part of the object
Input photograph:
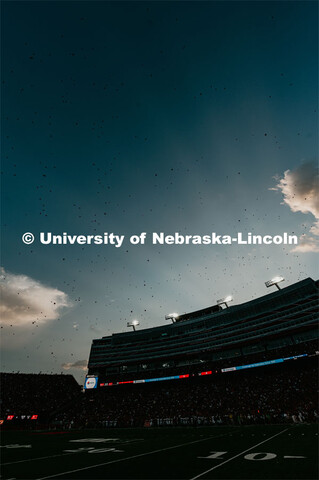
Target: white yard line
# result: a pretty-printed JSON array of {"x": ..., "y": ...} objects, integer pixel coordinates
[
  {"x": 39, "y": 458},
  {"x": 133, "y": 456},
  {"x": 238, "y": 455}
]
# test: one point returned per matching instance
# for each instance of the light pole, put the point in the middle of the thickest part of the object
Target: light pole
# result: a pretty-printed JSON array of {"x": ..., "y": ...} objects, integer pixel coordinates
[
  {"x": 225, "y": 300},
  {"x": 275, "y": 281},
  {"x": 133, "y": 324},
  {"x": 172, "y": 316}
]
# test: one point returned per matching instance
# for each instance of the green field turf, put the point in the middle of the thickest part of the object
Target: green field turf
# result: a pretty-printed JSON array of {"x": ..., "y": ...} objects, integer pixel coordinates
[{"x": 246, "y": 452}]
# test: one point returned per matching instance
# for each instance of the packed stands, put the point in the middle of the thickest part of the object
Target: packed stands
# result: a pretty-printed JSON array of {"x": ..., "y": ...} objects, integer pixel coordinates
[
  {"x": 280, "y": 393},
  {"x": 24, "y": 396}
]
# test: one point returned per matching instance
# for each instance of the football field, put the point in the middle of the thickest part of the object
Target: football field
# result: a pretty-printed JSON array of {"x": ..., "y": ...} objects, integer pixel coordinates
[{"x": 224, "y": 452}]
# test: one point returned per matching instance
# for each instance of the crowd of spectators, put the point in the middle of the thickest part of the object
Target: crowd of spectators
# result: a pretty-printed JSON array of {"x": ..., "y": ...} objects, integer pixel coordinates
[
  {"x": 274, "y": 394},
  {"x": 24, "y": 394},
  {"x": 279, "y": 393}
]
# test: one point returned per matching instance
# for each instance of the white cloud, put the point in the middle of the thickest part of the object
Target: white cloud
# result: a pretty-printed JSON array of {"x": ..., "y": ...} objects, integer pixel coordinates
[
  {"x": 79, "y": 364},
  {"x": 307, "y": 244},
  {"x": 315, "y": 228},
  {"x": 25, "y": 300},
  {"x": 300, "y": 188}
]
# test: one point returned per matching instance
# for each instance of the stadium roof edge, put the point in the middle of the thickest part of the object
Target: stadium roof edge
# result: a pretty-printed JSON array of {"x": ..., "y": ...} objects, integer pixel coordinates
[{"x": 264, "y": 298}]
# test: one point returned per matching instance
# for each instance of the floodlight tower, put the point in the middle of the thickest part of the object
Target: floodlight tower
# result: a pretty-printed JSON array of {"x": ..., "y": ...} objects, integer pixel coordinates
[
  {"x": 275, "y": 281},
  {"x": 225, "y": 300},
  {"x": 172, "y": 316},
  {"x": 133, "y": 324}
]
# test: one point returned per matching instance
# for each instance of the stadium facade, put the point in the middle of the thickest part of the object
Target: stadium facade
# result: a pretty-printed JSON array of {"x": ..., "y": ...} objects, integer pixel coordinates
[{"x": 211, "y": 336}]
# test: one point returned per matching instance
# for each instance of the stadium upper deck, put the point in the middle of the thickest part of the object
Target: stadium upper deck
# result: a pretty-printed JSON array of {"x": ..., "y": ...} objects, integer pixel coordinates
[{"x": 279, "y": 319}]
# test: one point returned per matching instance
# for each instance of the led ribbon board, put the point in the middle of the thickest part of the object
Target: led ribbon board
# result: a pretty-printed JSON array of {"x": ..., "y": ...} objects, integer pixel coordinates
[
  {"x": 209, "y": 372},
  {"x": 158, "y": 379}
]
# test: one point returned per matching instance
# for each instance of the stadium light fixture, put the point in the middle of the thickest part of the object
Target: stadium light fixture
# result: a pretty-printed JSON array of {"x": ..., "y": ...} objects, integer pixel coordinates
[
  {"x": 225, "y": 300},
  {"x": 275, "y": 281},
  {"x": 172, "y": 316},
  {"x": 133, "y": 324}
]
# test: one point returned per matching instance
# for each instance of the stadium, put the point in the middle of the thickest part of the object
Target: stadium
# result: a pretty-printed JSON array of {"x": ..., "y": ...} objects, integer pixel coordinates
[
  {"x": 222, "y": 392},
  {"x": 212, "y": 337}
]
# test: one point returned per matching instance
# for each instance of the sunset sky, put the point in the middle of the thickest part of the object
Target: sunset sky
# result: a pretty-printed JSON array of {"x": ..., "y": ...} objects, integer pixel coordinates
[{"x": 130, "y": 117}]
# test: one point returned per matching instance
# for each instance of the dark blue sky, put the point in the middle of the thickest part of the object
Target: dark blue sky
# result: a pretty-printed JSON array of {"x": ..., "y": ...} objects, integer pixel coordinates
[{"x": 148, "y": 116}]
